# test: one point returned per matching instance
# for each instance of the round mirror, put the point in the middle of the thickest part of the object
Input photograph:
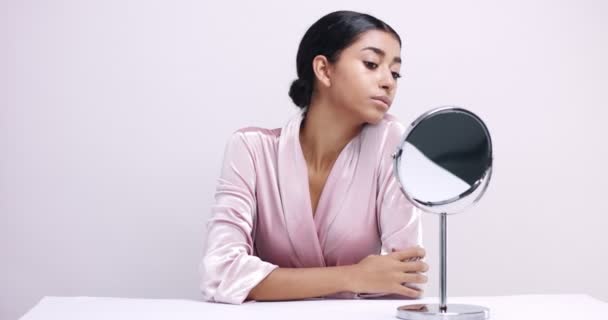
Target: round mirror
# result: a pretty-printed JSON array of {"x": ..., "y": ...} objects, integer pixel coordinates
[
  {"x": 444, "y": 161},
  {"x": 444, "y": 164}
]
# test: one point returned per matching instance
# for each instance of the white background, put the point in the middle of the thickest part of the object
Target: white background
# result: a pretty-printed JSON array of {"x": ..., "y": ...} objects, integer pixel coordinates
[{"x": 114, "y": 115}]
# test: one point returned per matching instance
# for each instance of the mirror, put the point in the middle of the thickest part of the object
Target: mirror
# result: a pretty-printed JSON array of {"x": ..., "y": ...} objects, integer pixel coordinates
[{"x": 444, "y": 165}]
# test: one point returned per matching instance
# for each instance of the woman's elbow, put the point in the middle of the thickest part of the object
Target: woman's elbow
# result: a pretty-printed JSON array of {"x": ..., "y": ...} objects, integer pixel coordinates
[
  {"x": 212, "y": 291},
  {"x": 216, "y": 285}
]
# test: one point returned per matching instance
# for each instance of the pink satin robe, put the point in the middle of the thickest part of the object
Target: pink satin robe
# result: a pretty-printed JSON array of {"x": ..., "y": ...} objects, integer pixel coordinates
[{"x": 262, "y": 217}]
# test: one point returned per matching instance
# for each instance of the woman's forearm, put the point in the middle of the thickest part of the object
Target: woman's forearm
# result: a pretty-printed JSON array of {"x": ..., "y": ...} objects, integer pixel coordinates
[{"x": 302, "y": 283}]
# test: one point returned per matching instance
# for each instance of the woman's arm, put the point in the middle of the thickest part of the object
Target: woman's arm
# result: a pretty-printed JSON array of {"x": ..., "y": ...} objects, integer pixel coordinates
[
  {"x": 399, "y": 221},
  {"x": 229, "y": 268},
  {"x": 302, "y": 283},
  {"x": 374, "y": 274}
]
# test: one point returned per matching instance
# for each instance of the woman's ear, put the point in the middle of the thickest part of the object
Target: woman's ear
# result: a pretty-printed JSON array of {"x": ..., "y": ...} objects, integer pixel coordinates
[{"x": 322, "y": 70}]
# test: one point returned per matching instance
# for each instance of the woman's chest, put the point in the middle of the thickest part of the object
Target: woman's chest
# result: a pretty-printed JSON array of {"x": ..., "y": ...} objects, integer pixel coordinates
[{"x": 343, "y": 231}]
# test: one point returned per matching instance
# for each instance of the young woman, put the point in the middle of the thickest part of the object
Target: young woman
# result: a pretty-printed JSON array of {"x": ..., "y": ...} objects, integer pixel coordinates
[{"x": 308, "y": 209}]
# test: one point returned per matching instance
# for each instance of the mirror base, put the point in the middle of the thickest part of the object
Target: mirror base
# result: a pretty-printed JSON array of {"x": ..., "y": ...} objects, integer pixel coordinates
[{"x": 433, "y": 312}]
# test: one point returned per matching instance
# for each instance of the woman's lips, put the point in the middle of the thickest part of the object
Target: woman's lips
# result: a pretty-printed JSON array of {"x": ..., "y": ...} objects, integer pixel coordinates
[{"x": 383, "y": 101}]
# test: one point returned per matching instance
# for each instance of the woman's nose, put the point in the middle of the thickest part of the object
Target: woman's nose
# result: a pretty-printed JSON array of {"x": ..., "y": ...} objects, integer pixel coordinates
[{"x": 387, "y": 82}]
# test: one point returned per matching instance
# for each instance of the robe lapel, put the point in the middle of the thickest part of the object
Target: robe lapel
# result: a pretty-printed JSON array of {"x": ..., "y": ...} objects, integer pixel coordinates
[
  {"x": 337, "y": 188},
  {"x": 295, "y": 196}
]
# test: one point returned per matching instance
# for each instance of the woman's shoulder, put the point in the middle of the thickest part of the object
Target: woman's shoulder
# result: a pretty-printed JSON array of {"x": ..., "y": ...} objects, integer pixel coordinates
[
  {"x": 258, "y": 133},
  {"x": 389, "y": 130},
  {"x": 255, "y": 138},
  {"x": 391, "y": 123},
  {"x": 381, "y": 141}
]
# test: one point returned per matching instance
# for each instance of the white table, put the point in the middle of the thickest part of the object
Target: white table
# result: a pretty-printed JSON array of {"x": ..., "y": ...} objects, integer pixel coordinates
[{"x": 521, "y": 307}]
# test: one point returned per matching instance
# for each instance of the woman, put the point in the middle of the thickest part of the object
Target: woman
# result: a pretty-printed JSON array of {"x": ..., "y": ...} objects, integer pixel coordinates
[{"x": 305, "y": 210}]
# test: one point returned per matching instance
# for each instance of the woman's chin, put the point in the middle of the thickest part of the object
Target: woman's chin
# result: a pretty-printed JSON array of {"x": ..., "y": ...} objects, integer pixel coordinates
[{"x": 375, "y": 117}]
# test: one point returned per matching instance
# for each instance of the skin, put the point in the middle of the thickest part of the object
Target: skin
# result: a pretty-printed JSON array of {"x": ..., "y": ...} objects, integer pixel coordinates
[{"x": 341, "y": 104}]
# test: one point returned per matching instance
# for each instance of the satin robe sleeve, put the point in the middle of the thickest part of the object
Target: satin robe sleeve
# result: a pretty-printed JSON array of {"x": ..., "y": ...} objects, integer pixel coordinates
[
  {"x": 229, "y": 269},
  {"x": 399, "y": 220}
]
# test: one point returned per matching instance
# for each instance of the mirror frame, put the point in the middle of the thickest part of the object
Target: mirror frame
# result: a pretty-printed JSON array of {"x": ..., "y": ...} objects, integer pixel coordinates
[{"x": 448, "y": 206}]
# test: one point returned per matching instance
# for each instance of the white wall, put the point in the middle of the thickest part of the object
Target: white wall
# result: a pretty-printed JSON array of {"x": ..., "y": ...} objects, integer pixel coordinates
[{"x": 114, "y": 115}]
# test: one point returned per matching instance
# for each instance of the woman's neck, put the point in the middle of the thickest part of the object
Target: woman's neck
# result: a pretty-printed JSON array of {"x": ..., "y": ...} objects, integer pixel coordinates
[{"x": 324, "y": 133}]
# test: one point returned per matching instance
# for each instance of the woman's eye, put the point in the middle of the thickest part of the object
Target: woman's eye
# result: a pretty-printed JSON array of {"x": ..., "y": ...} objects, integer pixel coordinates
[{"x": 370, "y": 65}]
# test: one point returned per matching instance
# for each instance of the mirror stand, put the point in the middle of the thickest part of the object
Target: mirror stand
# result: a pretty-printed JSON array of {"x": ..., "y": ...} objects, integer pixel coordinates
[{"x": 443, "y": 310}]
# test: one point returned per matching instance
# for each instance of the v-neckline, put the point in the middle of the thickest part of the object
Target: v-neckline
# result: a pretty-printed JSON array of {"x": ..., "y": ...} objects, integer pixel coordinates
[
  {"x": 307, "y": 232},
  {"x": 316, "y": 215},
  {"x": 314, "y": 209}
]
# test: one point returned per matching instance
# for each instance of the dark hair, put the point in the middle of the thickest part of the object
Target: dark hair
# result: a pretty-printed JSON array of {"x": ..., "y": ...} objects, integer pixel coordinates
[{"x": 328, "y": 37}]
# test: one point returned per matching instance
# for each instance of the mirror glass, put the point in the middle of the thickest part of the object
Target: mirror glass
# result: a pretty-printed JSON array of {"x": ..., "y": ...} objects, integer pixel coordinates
[{"x": 444, "y": 160}]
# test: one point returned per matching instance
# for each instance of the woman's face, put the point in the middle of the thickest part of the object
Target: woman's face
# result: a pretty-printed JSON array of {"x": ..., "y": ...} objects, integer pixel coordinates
[{"x": 364, "y": 78}]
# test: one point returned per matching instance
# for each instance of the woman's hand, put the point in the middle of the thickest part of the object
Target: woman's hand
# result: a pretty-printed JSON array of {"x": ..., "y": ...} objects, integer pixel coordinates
[{"x": 388, "y": 273}]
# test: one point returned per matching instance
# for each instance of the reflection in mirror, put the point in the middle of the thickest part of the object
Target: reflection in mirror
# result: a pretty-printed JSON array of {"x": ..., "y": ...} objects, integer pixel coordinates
[
  {"x": 427, "y": 180},
  {"x": 444, "y": 156}
]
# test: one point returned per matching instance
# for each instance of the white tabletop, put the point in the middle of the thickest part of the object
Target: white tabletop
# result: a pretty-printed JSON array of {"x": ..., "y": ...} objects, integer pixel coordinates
[{"x": 521, "y": 307}]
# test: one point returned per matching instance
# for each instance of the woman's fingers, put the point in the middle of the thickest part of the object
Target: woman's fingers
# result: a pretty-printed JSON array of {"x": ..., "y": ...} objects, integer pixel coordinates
[
  {"x": 408, "y": 253},
  {"x": 408, "y": 292},
  {"x": 414, "y": 266},
  {"x": 413, "y": 278}
]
